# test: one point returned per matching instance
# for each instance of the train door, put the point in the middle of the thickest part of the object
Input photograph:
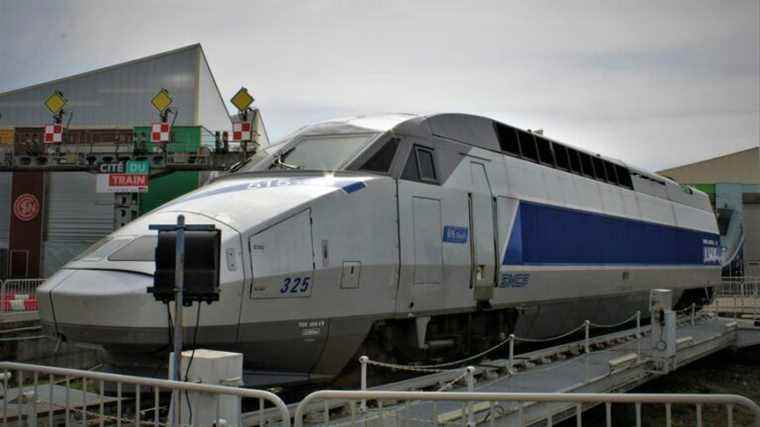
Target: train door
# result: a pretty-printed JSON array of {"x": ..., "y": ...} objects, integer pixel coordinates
[
  {"x": 482, "y": 217},
  {"x": 283, "y": 334},
  {"x": 428, "y": 248},
  {"x": 421, "y": 217}
]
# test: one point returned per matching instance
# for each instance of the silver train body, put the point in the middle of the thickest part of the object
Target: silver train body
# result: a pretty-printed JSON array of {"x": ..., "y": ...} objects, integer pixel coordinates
[{"x": 408, "y": 234}]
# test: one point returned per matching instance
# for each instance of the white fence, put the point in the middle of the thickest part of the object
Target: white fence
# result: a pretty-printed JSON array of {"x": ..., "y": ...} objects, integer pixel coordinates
[
  {"x": 487, "y": 408},
  {"x": 19, "y": 295},
  {"x": 44, "y": 395},
  {"x": 41, "y": 395}
]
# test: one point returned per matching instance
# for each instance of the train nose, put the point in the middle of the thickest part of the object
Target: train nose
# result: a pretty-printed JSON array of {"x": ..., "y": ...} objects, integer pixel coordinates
[{"x": 102, "y": 307}]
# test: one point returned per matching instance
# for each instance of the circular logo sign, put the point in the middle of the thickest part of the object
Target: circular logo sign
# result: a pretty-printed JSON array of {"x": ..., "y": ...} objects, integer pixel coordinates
[{"x": 26, "y": 207}]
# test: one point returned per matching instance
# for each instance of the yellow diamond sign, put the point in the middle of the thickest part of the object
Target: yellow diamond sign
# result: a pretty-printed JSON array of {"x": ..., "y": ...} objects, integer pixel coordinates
[
  {"x": 162, "y": 100},
  {"x": 242, "y": 99},
  {"x": 55, "y": 102}
]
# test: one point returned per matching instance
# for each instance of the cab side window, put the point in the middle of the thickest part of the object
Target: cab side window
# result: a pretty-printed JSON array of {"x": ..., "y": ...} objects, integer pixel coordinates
[
  {"x": 420, "y": 166},
  {"x": 382, "y": 160}
]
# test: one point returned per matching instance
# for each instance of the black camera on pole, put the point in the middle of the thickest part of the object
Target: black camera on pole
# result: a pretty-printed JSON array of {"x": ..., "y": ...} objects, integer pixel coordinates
[{"x": 200, "y": 282}]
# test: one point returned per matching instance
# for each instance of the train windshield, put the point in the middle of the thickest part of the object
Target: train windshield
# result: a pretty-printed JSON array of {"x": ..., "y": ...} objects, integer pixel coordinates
[{"x": 313, "y": 152}]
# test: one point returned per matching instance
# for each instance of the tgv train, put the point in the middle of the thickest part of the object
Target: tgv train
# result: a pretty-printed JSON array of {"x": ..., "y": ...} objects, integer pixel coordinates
[{"x": 402, "y": 237}]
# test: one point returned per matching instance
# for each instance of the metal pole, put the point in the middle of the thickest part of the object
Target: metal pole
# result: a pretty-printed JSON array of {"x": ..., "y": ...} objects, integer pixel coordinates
[
  {"x": 179, "y": 273},
  {"x": 587, "y": 349},
  {"x": 511, "y": 354},
  {"x": 638, "y": 332},
  {"x": 363, "y": 360},
  {"x": 470, "y": 379},
  {"x": 586, "y": 345}
]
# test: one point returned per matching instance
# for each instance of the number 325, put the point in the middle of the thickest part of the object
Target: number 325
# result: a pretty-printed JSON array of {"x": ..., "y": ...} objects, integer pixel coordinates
[{"x": 295, "y": 285}]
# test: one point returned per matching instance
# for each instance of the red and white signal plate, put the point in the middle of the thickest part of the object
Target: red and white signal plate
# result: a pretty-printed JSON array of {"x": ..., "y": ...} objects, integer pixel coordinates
[
  {"x": 53, "y": 134},
  {"x": 160, "y": 132},
  {"x": 242, "y": 131}
]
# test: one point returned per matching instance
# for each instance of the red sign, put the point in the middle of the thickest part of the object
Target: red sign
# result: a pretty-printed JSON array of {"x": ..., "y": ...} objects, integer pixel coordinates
[
  {"x": 26, "y": 207},
  {"x": 127, "y": 180},
  {"x": 160, "y": 132},
  {"x": 53, "y": 134},
  {"x": 242, "y": 131}
]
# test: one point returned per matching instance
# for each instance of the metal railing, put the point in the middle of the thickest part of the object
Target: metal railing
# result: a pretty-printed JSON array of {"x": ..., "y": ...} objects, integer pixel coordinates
[
  {"x": 737, "y": 286},
  {"x": 19, "y": 294},
  {"x": 482, "y": 408},
  {"x": 512, "y": 339},
  {"x": 737, "y": 296},
  {"x": 43, "y": 395}
]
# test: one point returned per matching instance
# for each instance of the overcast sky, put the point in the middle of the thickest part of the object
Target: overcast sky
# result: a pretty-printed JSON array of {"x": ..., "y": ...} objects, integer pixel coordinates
[{"x": 656, "y": 84}]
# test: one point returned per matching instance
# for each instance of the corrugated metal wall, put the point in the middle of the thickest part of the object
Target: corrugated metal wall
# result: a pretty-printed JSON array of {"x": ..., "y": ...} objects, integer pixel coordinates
[
  {"x": 119, "y": 95},
  {"x": 114, "y": 96},
  {"x": 77, "y": 216},
  {"x": 212, "y": 113}
]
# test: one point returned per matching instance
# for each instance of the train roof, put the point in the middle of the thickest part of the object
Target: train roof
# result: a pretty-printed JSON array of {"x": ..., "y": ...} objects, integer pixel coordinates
[{"x": 467, "y": 129}]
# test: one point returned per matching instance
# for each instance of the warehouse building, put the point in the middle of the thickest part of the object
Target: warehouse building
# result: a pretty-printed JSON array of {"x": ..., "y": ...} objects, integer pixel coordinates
[
  {"x": 733, "y": 183},
  {"x": 47, "y": 218}
]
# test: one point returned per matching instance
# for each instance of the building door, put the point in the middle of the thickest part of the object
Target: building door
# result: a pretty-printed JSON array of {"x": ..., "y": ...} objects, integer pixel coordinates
[
  {"x": 19, "y": 264},
  {"x": 482, "y": 215}
]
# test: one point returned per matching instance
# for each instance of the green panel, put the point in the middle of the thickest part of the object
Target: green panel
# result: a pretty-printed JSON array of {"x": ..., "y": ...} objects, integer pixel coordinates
[
  {"x": 187, "y": 139},
  {"x": 166, "y": 188},
  {"x": 705, "y": 188}
]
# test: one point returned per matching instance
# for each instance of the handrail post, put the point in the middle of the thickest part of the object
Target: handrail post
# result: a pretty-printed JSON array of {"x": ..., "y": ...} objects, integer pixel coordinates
[
  {"x": 736, "y": 305},
  {"x": 511, "y": 365},
  {"x": 587, "y": 348},
  {"x": 638, "y": 333},
  {"x": 470, "y": 378},
  {"x": 587, "y": 328},
  {"x": 363, "y": 361}
]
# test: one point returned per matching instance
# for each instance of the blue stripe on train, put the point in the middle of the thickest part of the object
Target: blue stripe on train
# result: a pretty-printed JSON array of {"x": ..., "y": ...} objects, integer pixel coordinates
[{"x": 543, "y": 234}]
